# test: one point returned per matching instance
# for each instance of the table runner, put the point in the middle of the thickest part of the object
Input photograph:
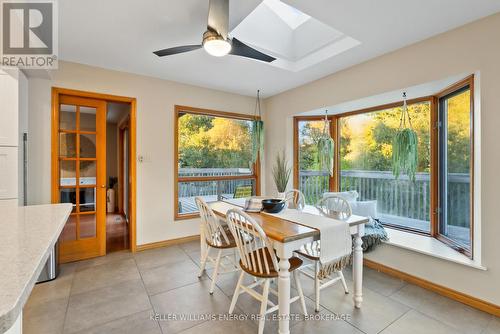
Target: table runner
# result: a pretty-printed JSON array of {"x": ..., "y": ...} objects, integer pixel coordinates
[{"x": 335, "y": 238}]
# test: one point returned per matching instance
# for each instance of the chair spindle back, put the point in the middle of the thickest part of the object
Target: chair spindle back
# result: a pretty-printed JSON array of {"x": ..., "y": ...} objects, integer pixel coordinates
[
  {"x": 334, "y": 206},
  {"x": 214, "y": 233},
  {"x": 252, "y": 243}
]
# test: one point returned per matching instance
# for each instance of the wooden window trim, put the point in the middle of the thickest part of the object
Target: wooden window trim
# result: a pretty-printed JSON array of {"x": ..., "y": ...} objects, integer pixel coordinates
[
  {"x": 434, "y": 170},
  {"x": 180, "y": 109}
]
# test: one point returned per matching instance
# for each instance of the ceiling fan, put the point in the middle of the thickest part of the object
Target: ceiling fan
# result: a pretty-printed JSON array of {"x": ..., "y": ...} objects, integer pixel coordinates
[{"x": 216, "y": 41}]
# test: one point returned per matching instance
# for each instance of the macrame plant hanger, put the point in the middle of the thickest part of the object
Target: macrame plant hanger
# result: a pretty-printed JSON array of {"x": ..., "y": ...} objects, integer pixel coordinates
[
  {"x": 326, "y": 147},
  {"x": 405, "y": 115},
  {"x": 258, "y": 131}
]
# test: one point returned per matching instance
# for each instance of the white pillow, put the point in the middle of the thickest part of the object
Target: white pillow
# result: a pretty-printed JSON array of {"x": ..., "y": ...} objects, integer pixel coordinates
[
  {"x": 364, "y": 208},
  {"x": 350, "y": 196}
]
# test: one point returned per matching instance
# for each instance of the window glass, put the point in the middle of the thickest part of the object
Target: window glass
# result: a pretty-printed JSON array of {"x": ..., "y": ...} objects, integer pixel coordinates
[
  {"x": 366, "y": 165},
  {"x": 214, "y": 146},
  {"x": 455, "y": 167},
  {"x": 313, "y": 182},
  {"x": 211, "y": 150}
]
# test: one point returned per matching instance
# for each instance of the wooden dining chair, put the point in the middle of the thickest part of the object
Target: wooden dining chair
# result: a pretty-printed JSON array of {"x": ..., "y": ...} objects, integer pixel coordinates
[
  {"x": 258, "y": 259},
  {"x": 217, "y": 236},
  {"x": 295, "y": 199},
  {"x": 336, "y": 207}
]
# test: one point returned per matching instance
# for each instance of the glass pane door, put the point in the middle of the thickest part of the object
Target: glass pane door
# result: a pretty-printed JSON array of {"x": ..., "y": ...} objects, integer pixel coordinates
[
  {"x": 77, "y": 169},
  {"x": 81, "y": 166}
]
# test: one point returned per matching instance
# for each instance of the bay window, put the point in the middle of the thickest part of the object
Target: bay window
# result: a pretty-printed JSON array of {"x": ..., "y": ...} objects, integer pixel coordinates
[{"x": 439, "y": 202}]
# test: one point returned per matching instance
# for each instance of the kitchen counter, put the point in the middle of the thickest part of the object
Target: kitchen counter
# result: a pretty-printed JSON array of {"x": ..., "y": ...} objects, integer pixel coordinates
[{"x": 27, "y": 235}]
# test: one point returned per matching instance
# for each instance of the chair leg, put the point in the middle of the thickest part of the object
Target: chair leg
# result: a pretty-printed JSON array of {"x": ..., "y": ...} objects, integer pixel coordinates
[
  {"x": 216, "y": 271},
  {"x": 235, "y": 257},
  {"x": 296, "y": 277},
  {"x": 236, "y": 292},
  {"x": 316, "y": 285},
  {"x": 204, "y": 257},
  {"x": 344, "y": 284},
  {"x": 263, "y": 306}
]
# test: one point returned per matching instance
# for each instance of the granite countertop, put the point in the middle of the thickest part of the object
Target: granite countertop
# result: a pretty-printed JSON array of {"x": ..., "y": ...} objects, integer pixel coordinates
[{"x": 27, "y": 235}]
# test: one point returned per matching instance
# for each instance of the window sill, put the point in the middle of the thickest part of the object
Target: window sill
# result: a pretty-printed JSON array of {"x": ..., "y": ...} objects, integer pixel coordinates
[{"x": 429, "y": 246}]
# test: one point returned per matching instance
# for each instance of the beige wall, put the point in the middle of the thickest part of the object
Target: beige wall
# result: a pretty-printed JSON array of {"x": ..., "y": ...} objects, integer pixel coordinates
[
  {"x": 468, "y": 49},
  {"x": 155, "y": 116}
]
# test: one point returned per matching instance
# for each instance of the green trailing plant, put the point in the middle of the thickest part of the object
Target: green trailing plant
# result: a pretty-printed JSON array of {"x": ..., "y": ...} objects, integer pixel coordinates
[
  {"x": 326, "y": 149},
  {"x": 281, "y": 172},
  {"x": 405, "y": 147},
  {"x": 257, "y": 132},
  {"x": 257, "y": 139}
]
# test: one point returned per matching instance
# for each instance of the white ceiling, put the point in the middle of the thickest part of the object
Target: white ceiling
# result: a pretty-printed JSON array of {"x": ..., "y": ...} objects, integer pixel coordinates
[
  {"x": 413, "y": 92},
  {"x": 122, "y": 34}
]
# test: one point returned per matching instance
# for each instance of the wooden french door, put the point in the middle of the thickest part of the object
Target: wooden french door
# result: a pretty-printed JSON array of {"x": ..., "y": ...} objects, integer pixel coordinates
[{"x": 80, "y": 148}]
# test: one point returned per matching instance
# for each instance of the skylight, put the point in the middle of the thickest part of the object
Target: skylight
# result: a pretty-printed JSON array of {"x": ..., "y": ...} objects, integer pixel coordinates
[{"x": 290, "y": 15}]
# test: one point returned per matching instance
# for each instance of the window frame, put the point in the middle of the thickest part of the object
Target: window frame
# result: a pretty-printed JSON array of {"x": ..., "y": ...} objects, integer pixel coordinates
[
  {"x": 180, "y": 109},
  {"x": 434, "y": 157},
  {"x": 456, "y": 89}
]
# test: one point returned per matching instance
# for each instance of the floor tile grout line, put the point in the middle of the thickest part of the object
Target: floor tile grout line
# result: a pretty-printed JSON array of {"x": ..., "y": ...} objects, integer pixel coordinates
[
  {"x": 431, "y": 315},
  {"x": 69, "y": 298},
  {"x": 179, "y": 287},
  {"x": 161, "y": 265},
  {"x": 109, "y": 321},
  {"x": 402, "y": 315},
  {"x": 105, "y": 286},
  {"x": 397, "y": 290},
  {"x": 146, "y": 290}
]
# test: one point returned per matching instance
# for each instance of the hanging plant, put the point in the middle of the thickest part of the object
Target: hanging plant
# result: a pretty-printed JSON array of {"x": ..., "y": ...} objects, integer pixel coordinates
[
  {"x": 405, "y": 146},
  {"x": 257, "y": 132},
  {"x": 326, "y": 148}
]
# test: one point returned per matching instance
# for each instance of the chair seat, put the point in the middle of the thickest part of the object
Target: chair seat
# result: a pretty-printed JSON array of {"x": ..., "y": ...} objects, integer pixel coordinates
[
  {"x": 295, "y": 263},
  {"x": 311, "y": 251},
  {"x": 220, "y": 242}
]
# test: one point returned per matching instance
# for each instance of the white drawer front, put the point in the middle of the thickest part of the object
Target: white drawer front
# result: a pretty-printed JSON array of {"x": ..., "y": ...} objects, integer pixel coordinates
[
  {"x": 9, "y": 123},
  {"x": 8, "y": 172}
]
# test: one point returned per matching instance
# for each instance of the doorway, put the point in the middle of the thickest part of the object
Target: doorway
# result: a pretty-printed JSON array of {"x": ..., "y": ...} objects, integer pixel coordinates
[
  {"x": 117, "y": 170},
  {"x": 82, "y": 151}
]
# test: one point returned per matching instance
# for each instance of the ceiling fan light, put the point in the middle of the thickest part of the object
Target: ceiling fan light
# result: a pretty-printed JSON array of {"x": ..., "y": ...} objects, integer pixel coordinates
[{"x": 217, "y": 47}]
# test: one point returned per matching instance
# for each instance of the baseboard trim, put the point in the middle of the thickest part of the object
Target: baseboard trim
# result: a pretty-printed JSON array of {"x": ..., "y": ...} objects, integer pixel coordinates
[
  {"x": 442, "y": 290},
  {"x": 166, "y": 243}
]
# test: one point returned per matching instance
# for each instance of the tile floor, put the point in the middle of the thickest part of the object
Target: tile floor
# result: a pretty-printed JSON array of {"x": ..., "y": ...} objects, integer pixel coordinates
[{"x": 119, "y": 292}]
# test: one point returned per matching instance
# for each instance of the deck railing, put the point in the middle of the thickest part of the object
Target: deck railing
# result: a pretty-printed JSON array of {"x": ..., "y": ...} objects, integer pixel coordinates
[
  {"x": 394, "y": 197},
  {"x": 401, "y": 197},
  {"x": 212, "y": 188}
]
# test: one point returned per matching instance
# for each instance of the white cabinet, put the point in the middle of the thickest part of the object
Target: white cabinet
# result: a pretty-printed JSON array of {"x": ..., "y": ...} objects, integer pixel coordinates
[
  {"x": 8, "y": 172},
  {"x": 9, "y": 109},
  {"x": 13, "y": 122}
]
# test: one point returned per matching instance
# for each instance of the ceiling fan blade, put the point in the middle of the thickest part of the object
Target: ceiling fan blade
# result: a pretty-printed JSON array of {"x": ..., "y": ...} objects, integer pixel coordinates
[
  {"x": 176, "y": 50},
  {"x": 240, "y": 49},
  {"x": 218, "y": 16}
]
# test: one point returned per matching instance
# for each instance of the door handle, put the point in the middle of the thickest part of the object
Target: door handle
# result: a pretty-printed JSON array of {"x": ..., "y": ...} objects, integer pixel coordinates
[{"x": 103, "y": 186}]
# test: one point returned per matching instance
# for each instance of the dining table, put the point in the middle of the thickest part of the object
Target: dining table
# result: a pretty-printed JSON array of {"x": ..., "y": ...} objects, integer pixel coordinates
[{"x": 286, "y": 237}]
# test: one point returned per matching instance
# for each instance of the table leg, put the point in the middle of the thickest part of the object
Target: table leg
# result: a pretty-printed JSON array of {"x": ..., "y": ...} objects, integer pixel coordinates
[
  {"x": 357, "y": 270},
  {"x": 284, "y": 295}
]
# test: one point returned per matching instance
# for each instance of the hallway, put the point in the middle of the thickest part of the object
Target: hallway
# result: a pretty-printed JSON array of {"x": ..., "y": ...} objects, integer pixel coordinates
[{"x": 117, "y": 237}]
